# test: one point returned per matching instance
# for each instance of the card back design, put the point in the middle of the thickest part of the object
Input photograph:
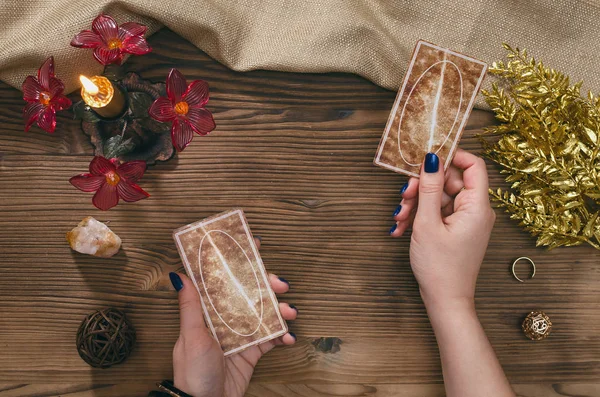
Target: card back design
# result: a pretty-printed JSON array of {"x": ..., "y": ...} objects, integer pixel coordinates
[
  {"x": 220, "y": 256},
  {"x": 431, "y": 108}
]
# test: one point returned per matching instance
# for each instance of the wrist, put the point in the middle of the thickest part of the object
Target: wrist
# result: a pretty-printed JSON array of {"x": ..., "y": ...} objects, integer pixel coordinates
[
  {"x": 438, "y": 305},
  {"x": 170, "y": 389}
]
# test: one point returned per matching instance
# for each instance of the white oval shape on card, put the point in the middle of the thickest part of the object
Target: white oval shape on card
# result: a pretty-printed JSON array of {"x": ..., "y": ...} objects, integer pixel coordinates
[
  {"x": 243, "y": 286},
  {"x": 438, "y": 92}
]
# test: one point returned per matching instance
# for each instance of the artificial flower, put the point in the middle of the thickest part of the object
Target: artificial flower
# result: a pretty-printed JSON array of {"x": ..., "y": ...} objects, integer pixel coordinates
[
  {"x": 184, "y": 107},
  {"x": 44, "y": 95},
  {"x": 110, "y": 41},
  {"x": 111, "y": 182}
]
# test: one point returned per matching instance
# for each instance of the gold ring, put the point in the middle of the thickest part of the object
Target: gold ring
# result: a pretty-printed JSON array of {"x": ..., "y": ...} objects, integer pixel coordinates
[
  {"x": 527, "y": 259},
  {"x": 460, "y": 191}
]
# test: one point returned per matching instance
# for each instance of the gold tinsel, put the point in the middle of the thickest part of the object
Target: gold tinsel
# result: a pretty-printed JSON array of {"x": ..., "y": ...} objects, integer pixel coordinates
[{"x": 548, "y": 146}]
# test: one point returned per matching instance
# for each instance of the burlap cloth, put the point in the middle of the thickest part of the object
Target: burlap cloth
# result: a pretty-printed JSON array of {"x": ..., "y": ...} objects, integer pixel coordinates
[{"x": 371, "y": 38}]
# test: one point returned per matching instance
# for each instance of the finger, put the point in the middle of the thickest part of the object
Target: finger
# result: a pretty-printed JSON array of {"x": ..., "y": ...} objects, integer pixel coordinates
[
  {"x": 446, "y": 199},
  {"x": 288, "y": 312},
  {"x": 401, "y": 229},
  {"x": 403, "y": 226},
  {"x": 191, "y": 316},
  {"x": 279, "y": 284},
  {"x": 431, "y": 187},
  {"x": 404, "y": 209},
  {"x": 454, "y": 181},
  {"x": 448, "y": 209},
  {"x": 289, "y": 338},
  {"x": 264, "y": 347},
  {"x": 257, "y": 241},
  {"x": 405, "y": 218},
  {"x": 410, "y": 189},
  {"x": 394, "y": 232},
  {"x": 475, "y": 175},
  {"x": 452, "y": 187}
]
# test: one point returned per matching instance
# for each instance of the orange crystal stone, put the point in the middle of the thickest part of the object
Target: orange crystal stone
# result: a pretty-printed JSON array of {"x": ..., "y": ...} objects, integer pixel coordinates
[
  {"x": 182, "y": 108},
  {"x": 114, "y": 43},
  {"x": 112, "y": 178},
  {"x": 44, "y": 98}
]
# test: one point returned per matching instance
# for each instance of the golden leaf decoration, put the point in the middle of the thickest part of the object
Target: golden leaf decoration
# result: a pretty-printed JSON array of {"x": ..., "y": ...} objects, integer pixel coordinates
[{"x": 548, "y": 146}]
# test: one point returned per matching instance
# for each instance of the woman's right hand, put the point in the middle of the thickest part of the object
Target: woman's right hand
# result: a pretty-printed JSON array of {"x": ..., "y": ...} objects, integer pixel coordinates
[{"x": 451, "y": 228}]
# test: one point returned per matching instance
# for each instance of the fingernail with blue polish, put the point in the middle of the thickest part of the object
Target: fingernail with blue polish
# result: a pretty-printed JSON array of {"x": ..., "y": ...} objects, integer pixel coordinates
[
  {"x": 293, "y": 335},
  {"x": 258, "y": 237},
  {"x": 398, "y": 209},
  {"x": 404, "y": 188},
  {"x": 393, "y": 229},
  {"x": 283, "y": 280},
  {"x": 294, "y": 307},
  {"x": 176, "y": 281},
  {"x": 432, "y": 163}
]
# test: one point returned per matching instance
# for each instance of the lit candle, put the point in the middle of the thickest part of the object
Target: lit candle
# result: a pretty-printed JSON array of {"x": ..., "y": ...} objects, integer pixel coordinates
[{"x": 99, "y": 93}]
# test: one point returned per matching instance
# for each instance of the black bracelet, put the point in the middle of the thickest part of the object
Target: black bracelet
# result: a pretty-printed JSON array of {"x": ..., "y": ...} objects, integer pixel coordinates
[
  {"x": 156, "y": 393},
  {"x": 167, "y": 387}
]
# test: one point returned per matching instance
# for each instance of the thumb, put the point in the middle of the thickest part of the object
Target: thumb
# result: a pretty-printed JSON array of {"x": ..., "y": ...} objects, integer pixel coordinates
[
  {"x": 190, "y": 310},
  {"x": 431, "y": 189}
]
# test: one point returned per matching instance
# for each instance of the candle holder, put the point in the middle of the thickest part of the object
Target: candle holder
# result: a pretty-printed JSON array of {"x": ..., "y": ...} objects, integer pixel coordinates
[{"x": 133, "y": 135}]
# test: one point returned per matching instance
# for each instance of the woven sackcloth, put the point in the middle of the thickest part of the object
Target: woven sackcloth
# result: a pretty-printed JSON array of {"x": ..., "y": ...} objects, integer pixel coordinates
[{"x": 371, "y": 38}]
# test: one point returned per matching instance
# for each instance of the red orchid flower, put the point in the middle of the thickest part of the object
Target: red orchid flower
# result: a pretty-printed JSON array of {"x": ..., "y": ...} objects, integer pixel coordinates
[
  {"x": 111, "y": 41},
  {"x": 184, "y": 106},
  {"x": 111, "y": 182},
  {"x": 44, "y": 95}
]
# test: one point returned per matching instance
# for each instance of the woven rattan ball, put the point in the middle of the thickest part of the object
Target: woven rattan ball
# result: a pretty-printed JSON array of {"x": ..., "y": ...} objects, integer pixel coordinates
[{"x": 105, "y": 338}]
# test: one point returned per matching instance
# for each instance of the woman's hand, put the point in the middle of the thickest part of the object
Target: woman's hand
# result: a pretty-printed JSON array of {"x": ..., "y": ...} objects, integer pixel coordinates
[
  {"x": 198, "y": 364},
  {"x": 451, "y": 230},
  {"x": 452, "y": 221}
]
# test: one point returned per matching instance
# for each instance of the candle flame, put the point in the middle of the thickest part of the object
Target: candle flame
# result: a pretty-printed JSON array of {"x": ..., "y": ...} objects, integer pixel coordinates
[{"x": 88, "y": 85}]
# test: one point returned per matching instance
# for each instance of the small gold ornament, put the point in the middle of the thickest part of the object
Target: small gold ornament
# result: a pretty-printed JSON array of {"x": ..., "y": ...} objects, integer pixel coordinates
[
  {"x": 537, "y": 325},
  {"x": 548, "y": 145}
]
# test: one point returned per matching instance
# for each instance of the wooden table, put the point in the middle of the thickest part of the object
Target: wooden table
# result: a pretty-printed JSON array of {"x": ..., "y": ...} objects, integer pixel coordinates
[{"x": 295, "y": 151}]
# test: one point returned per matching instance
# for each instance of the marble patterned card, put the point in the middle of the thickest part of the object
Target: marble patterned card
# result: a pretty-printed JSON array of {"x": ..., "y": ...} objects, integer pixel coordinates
[
  {"x": 221, "y": 258},
  {"x": 431, "y": 108}
]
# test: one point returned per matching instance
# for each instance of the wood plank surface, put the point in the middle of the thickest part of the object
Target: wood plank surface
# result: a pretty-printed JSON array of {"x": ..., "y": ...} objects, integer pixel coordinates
[
  {"x": 295, "y": 151},
  {"x": 295, "y": 390}
]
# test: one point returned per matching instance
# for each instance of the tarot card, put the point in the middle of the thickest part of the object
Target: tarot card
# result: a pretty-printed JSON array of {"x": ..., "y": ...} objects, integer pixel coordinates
[
  {"x": 221, "y": 258},
  {"x": 431, "y": 109}
]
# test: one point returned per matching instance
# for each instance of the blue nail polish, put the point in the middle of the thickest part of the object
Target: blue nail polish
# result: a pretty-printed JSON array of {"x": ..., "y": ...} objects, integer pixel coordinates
[
  {"x": 404, "y": 188},
  {"x": 283, "y": 280},
  {"x": 293, "y": 335},
  {"x": 176, "y": 281},
  {"x": 432, "y": 163},
  {"x": 295, "y": 308},
  {"x": 393, "y": 229},
  {"x": 258, "y": 237},
  {"x": 398, "y": 209}
]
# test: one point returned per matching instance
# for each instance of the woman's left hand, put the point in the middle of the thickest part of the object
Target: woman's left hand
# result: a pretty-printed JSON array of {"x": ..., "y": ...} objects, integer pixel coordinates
[{"x": 199, "y": 367}]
